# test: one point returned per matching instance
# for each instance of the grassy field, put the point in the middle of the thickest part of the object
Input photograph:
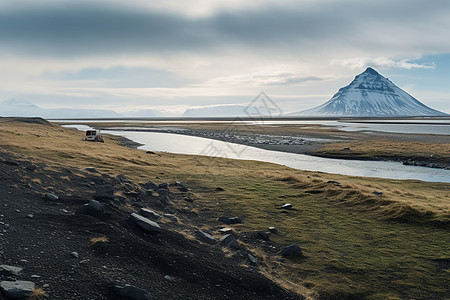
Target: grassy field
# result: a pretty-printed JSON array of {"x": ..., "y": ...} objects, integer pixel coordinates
[{"x": 356, "y": 243}]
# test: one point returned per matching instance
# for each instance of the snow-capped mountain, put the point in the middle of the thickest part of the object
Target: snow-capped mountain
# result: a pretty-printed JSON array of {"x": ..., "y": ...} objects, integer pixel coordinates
[{"x": 371, "y": 95}]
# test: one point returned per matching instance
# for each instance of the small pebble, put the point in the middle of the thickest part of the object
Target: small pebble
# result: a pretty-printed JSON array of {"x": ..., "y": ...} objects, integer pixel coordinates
[{"x": 74, "y": 254}]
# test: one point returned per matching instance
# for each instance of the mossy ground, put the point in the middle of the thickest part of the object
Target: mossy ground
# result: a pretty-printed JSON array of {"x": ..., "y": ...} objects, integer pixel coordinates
[{"x": 356, "y": 243}]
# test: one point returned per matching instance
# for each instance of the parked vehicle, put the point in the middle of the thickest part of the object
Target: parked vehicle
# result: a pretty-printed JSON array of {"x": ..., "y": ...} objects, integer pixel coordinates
[{"x": 93, "y": 135}]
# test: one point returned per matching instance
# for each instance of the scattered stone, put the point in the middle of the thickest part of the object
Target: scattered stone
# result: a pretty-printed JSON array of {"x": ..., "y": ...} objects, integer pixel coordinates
[
  {"x": 189, "y": 199},
  {"x": 92, "y": 170},
  {"x": 280, "y": 259},
  {"x": 150, "y": 152},
  {"x": 164, "y": 186},
  {"x": 168, "y": 278},
  {"x": 74, "y": 254},
  {"x": 286, "y": 206},
  {"x": 46, "y": 285},
  {"x": 273, "y": 230},
  {"x": 35, "y": 276},
  {"x": 150, "y": 214},
  {"x": 378, "y": 193},
  {"x": 229, "y": 221},
  {"x": 347, "y": 148},
  {"x": 51, "y": 197},
  {"x": 131, "y": 292},
  {"x": 17, "y": 289},
  {"x": 163, "y": 192},
  {"x": 205, "y": 237},
  {"x": 30, "y": 216},
  {"x": 150, "y": 185},
  {"x": 226, "y": 230},
  {"x": 251, "y": 259},
  {"x": 121, "y": 179},
  {"x": 334, "y": 182},
  {"x": 292, "y": 251},
  {"x": 93, "y": 208},
  {"x": 171, "y": 217},
  {"x": 9, "y": 270},
  {"x": 6, "y": 226},
  {"x": 263, "y": 235},
  {"x": 144, "y": 223},
  {"x": 230, "y": 241},
  {"x": 220, "y": 189},
  {"x": 104, "y": 191},
  {"x": 31, "y": 168}
]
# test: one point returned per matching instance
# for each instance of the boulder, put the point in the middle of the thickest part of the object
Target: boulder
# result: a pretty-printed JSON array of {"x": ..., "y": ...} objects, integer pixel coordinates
[
  {"x": 378, "y": 193},
  {"x": 92, "y": 170},
  {"x": 150, "y": 214},
  {"x": 229, "y": 221},
  {"x": 226, "y": 230},
  {"x": 17, "y": 289},
  {"x": 104, "y": 191},
  {"x": 31, "y": 168},
  {"x": 229, "y": 241},
  {"x": 292, "y": 251},
  {"x": 51, "y": 197},
  {"x": 251, "y": 259},
  {"x": 263, "y": 235},
  {"x": 145, "y": 224},
  {"x": 273, "y": 230},
  {"x": 205, "y": 237},
  {"x": 164, "y": 186},
  {"x": 131, "y": 293},
  {"x": 9, "y": 270},
  {"x": 93, "y": 208},
  {"x": 150, "y": 185}
]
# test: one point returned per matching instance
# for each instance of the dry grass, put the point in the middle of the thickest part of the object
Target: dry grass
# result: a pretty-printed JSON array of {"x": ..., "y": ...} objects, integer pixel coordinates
[
  {"x": 38, "y": 294},
  {"x": 95, "y": 240},
  {"x": 356, "y": 243}
]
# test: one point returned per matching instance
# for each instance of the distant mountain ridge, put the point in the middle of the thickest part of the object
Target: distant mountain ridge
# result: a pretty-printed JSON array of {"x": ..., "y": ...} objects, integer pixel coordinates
[{"x": 371, "y": 95}]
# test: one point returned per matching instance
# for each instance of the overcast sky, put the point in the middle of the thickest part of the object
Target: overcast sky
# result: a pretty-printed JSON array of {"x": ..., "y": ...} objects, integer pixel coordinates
[{"x": 176, "y": 54}]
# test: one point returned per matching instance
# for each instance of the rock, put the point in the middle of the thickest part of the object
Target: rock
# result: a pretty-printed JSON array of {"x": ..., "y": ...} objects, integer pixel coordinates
[
  {"x": 11, "y": 162},
  {"x": 51, "y": 197},
  {"x": 229, "y": 241},
  {"x": 17, "y": 289},
  {"x": 131, "y": 293},
  {"x": 251, "y": 259},
  {"x": 121, "y": 179},
  {"x": 9, "y": 270},
  {"x": 74, "y": 254},
  {"x": 346, "y": 148},
  {"x": 171, "y": 217},
  {"x": 144, "y": 223},
  {"x": 205, "y": 237},
  {"x": 292, "y": 251},
  {"x": 169, "y": 278},
  {"x": 226, "y": 230},
  {"x": 150, "y": 214},
  {"x": 31, "y": 168},
  {"x": 378, "y": 193},
  {"x": 286, "y": 206},
  {"x": 92, "y": 170},
  {"x": 93, "y": 208},
  {"x": 229, "y": 221},
  {"x": 164, "y": 186},
  {"x": 273, "y": 229},
  {"x": 150, "y": 185},
  {"x": 334, "y": 182},
  {"x": 163, "y": 192},
  {"x": 35, "y": 276},
  {"x": 189, "y": 199},
  {"x": 220, "y": 189},
  {"x": 104, "y": 191},
  {"x": 263, "y": 235},
  {"x": 30, "y": 216}
]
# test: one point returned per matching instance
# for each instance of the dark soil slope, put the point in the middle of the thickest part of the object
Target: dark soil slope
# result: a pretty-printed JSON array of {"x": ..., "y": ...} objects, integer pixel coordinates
[{"x": 52, "y": 244}]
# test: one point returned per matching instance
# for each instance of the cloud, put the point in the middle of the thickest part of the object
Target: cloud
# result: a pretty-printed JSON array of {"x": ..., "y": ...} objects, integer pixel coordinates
[{"x": 359, "y": 63}]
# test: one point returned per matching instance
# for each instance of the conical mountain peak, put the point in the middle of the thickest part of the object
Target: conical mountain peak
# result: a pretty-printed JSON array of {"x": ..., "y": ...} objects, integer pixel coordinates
[{"x": 372, "y": 95}]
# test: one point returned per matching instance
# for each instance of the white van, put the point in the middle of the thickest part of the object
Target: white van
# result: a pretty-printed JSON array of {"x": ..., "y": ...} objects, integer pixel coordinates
[{"x": 93, "y": 135}]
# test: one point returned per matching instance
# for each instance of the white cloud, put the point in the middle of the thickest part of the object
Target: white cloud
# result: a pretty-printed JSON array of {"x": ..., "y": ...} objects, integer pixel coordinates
[{"x": 359, "y": 63}]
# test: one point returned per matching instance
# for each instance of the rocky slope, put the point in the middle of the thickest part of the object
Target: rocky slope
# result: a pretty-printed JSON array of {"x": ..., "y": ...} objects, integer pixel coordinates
[{"x": 73, "y": 247}]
